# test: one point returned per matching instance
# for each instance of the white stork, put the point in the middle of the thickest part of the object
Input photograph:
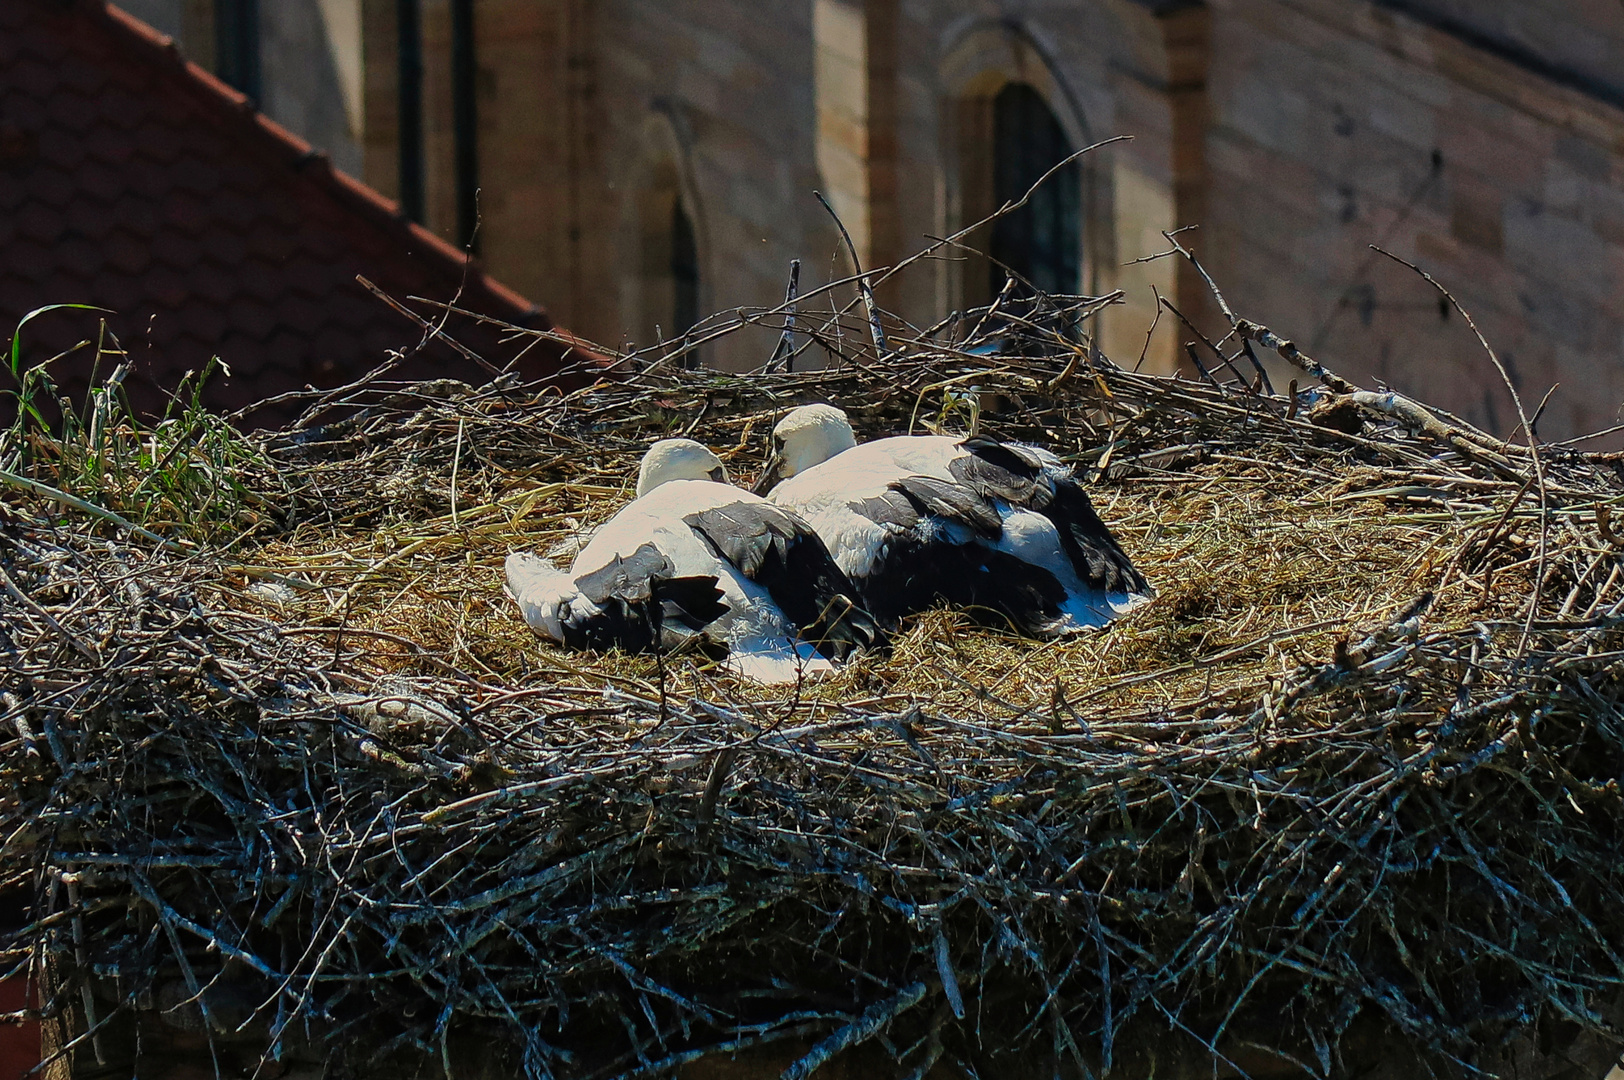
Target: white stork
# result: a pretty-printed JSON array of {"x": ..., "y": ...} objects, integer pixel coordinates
[
  {"x": 694, "y": 560},
  {"x": 914, "y": 520}
]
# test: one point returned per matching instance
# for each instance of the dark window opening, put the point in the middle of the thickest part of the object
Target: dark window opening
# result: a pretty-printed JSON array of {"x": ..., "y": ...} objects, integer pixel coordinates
[
  {"x": 1041, "y": 241},
  {"x": 409, "y": 59},
  {"x": 684, "y": 276},
  {"x": 464, "y": 121},
  {"x": 236, "y": 44}
]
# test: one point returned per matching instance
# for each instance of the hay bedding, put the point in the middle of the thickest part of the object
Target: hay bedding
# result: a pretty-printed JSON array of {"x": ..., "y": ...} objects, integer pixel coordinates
[{"x": 1346, "y": 794}]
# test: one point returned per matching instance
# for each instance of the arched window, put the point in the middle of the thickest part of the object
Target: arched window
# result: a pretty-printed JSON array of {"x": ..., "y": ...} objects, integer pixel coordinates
[
  {"x": 1042, "y": 241},
  {"x": 663, "y": 246}
]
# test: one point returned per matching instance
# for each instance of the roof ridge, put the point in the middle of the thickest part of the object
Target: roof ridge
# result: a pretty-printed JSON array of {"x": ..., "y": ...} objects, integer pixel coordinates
[{"x": 300, "y": 155}]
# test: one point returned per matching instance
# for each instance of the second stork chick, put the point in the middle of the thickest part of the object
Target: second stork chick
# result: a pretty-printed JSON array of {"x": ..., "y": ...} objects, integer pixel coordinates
[{"x": 914, "y": 520}]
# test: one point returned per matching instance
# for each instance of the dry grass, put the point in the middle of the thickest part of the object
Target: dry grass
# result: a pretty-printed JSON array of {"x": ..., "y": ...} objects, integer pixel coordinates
[
  {"x": 1285, "y": 567},
  {"x": 1260, "y": 567}
]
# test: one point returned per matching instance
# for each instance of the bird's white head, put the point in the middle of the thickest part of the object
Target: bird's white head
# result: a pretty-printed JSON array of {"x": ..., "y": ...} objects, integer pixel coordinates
[
  {"x": 810, "y": 436},
  {"x": 678, "y": 459}
]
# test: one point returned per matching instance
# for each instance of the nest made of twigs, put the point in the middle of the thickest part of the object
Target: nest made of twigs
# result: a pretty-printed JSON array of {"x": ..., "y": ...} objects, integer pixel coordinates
[{"x": 1348, "y": 789}]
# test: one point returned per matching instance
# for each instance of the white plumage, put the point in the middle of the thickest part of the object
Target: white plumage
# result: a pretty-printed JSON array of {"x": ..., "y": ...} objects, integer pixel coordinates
[
  {"x": 915, "y": 520},
  {"x": 694, "y": 558}
]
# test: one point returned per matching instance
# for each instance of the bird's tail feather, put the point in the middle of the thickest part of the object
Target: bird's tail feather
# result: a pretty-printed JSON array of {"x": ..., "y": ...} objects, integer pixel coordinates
[
  {"x": 843, "y": 627},
  {"x": 541, "y": 590},
  {"x": 694, "y": 601},
  {"x": 669, "y": 614}
]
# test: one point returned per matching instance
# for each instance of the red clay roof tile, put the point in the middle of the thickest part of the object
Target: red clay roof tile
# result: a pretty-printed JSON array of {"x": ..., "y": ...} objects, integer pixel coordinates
[
  {"x": 161, "y": 142},
  {"x": 69, "y": 149},
  {"x": 251, "y": 317},
  {"x": 61, "y": 281},
  {"x": 261, "y": 279},
  {"x": 52, "y": 186},
  {"x": 31, "y": 74},
  {"x": 166, "y": 287},
  {"x": 134, "y": 180},
  {"x": 125, "y": 251},
  {"x": 39, "y": 222},
  {"x": 78, "y": 255},
  {"x": 206, "y": 322}
]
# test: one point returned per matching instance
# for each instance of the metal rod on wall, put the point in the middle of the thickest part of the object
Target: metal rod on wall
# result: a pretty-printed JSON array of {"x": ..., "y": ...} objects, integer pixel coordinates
[
  {"x": 409, "y": 27},
  {"x": 465, "y": 120}
]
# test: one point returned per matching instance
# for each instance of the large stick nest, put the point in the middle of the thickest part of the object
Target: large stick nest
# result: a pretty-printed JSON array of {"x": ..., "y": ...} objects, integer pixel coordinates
[{"x": 297, "y": 777}]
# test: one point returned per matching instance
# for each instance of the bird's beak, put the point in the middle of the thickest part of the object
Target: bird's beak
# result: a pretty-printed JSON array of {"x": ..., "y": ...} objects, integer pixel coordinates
[{"x": 769, "y": 476}]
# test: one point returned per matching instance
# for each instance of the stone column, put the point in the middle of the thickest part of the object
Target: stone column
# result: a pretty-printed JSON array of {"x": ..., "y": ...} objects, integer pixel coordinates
[
  {"x": 856, "y": 75},
  {"x": 1159, "y": 183}
]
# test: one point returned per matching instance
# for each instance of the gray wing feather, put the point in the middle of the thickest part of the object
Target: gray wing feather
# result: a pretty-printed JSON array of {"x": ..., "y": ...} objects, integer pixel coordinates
[
  {"x": 746, "y": 533},
  {"x": 1006, "y": 471},
  {"x": 628, "y": 577},
  {"x": 913, "y": 498}
]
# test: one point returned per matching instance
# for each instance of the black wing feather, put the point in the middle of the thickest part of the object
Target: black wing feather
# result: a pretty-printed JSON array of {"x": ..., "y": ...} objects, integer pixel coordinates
[
  {"x": 1093, "y": 551},
  {"x": 637, "y": 596},
  {"x": 779, "y": 551},
  {"x": 626, "y": 577},
  {"x": 747, "y": 534},
  {"x": 1004, "y": 471},
  {"x": 915, "y": 571},
  {"x": 906, "y": 502},
  {"x": 919, "y": 567},
  {"x": 1015, "y": 474}
]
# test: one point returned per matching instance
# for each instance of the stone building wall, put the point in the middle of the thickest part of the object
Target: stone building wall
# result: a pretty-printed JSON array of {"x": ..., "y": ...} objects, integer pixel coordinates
[
  {"x": 595, "y": 117},
  {"x": 311, "y": 72},
  {"x": 711, "y": 105},
  {"x": 1576, "y": 40},
  {"x": 1105, "y": 68},
  {"x": 164, "y": 15},
  {"x": 1482, "y": 138},
  {"x": 1297, "y": 133},
  {"x": 1336, "y": 126}
]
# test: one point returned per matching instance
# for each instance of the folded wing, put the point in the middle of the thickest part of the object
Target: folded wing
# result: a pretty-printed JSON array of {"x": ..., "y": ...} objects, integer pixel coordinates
[
  {"x": 1021, "y": 477},
  {"x": 776, "y": 549},
  {"x": 633, "y": 602}
]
